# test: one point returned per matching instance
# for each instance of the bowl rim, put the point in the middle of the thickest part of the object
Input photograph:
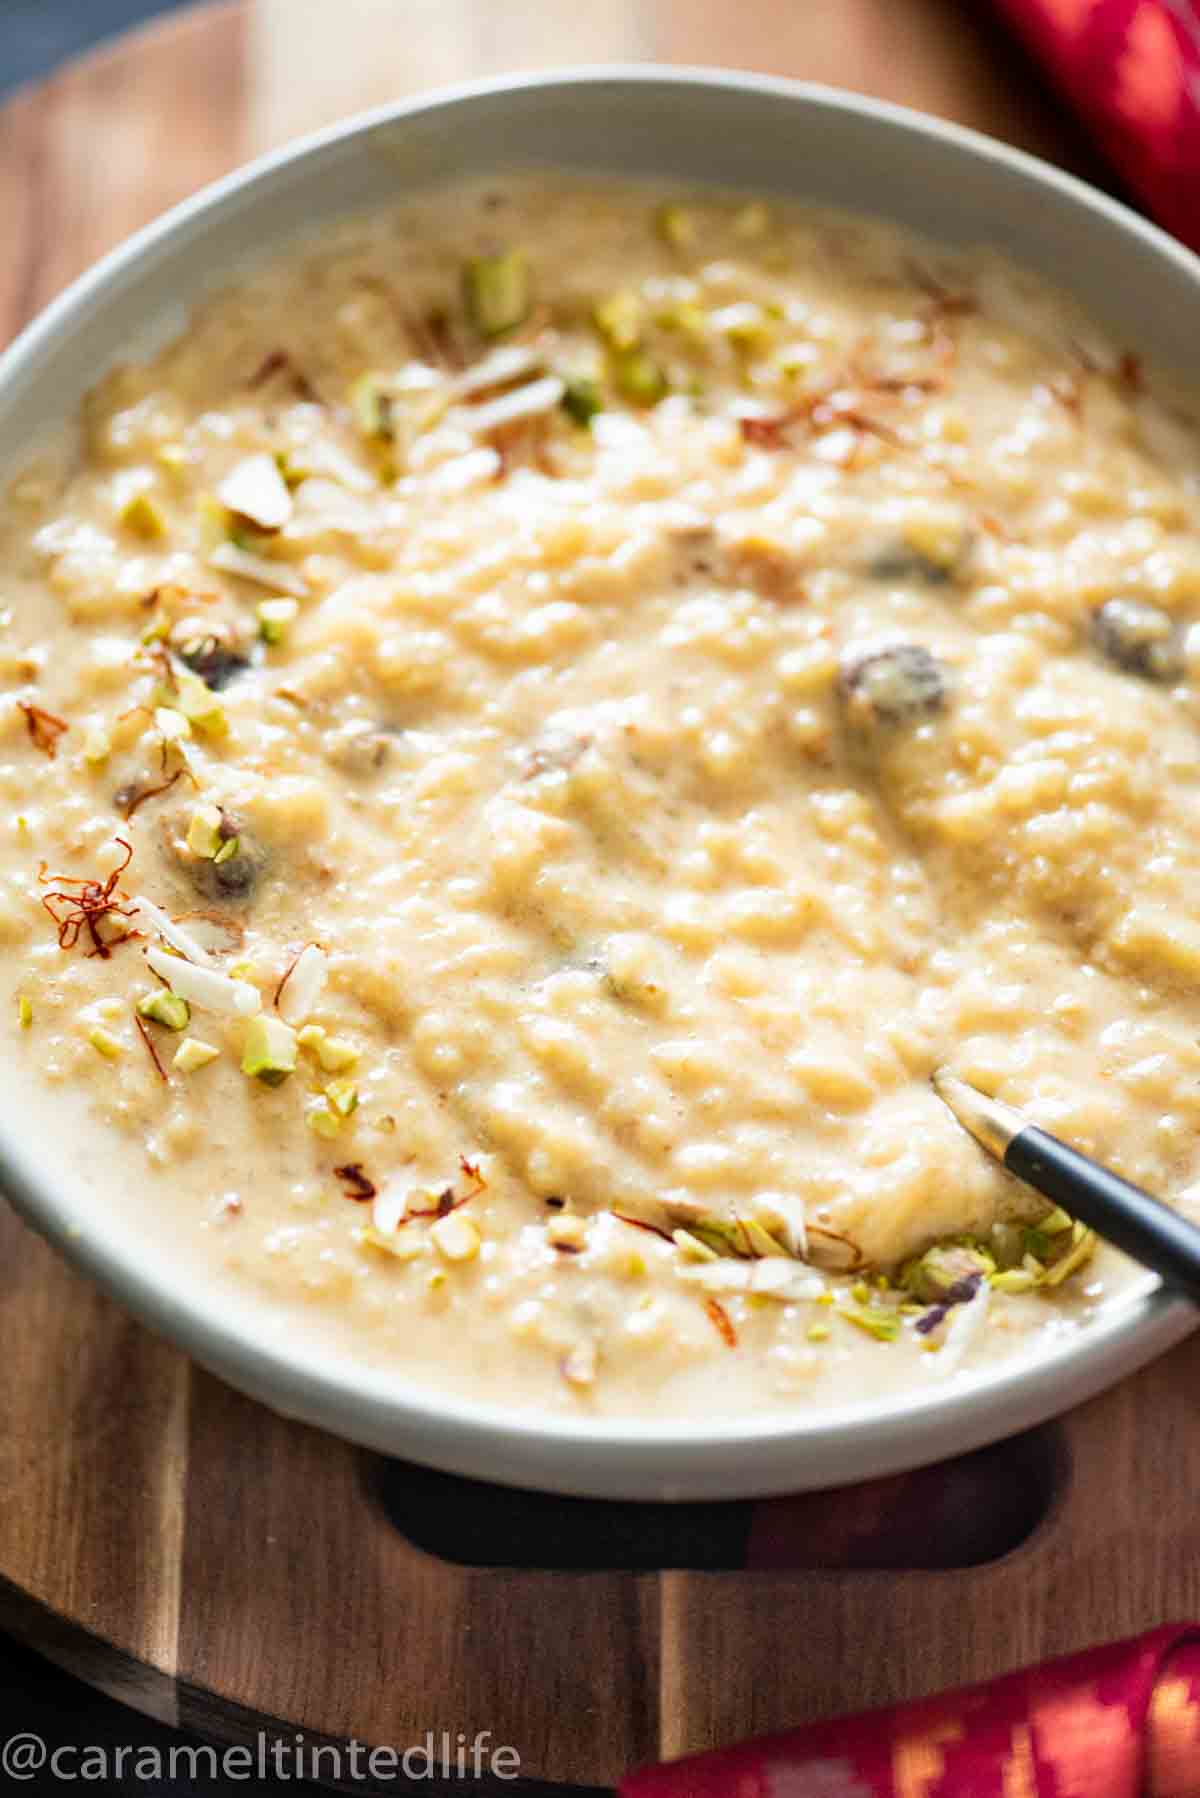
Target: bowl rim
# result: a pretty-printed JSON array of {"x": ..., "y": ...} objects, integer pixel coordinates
[{"x": 608, "y": 1456}]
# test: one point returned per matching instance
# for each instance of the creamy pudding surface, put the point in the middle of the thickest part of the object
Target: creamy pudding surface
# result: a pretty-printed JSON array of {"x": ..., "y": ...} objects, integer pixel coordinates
[{"x": 532, "y": 728}]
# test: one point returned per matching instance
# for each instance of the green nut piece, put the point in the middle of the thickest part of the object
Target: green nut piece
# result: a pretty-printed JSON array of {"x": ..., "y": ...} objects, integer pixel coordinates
[
  {"x": 496, "y": 292},
  {"x": 194, "y": 699},
  {"x": 883, "y": 1324},
  {"x": 373, "y": 408},
  {"x": 582, "y": 400},
  {"x": 342, "y": 1097},
  {"x": 638, "y": 378},
  {"x": 758, "y": 1239},
  {"x": 1069, "y": 1254},
  {"x": 1013, "y": 1279},
  {"x": 719, "y": 1235},
  {"x": 275, "y": 618},
  {"x": 619, "y": 319},
  {"x": 269, "y": 1052},
  {"x": 676, "y": 226},
  {"x": 931, "y": 1277},
  {"x": 143, "y": 516},
  {"x": 165, "y": 1007}
]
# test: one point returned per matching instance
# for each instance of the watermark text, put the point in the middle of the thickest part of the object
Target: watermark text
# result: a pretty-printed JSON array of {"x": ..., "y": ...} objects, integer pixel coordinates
[{"x": 444, "y": 1754}]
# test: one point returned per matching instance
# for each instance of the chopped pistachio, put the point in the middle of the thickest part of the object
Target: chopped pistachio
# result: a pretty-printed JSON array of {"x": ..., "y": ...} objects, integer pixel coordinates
[
  {"x": 192, "y": 1053},
  {"x": 334, "y": 1053},
  {"x": 496, "y": 292},
  {"x": 24, "y": 1012},
  {"x": 204, "y": 833},
  {"x": 197, "y": 701},
  {"x": 619, "y": 319},
  {"x": 455, "y": 1237},
  {"x": 718, "y": 1234},
  {"x": 193, "y": 698},
  {"x": 227, "y": 851},
  {"x": 275, "y": 618},
  {"x": 689, "y": 320},
  {"x": 638, "y": 378},
  {"x": 342, "y": 1096},
  {"x": 691, "y": 1247},
  {"x": 860, "y": 1292},
  {"x": 105, "y": 1043},
  {"x": 373, "y": 408},
  {"x": 676, "y": 226},
  {"x": 165, "y": 1007},
  {"x": 321, "y": 1120},
  {"x": 245, "y": 537},
  {"x": 793, "y": 361},
  {"x": 1056, "y": 1222},
  {"x": 758, "y": 1238},
  {"x": 743, "y": 325},
  {"x": 581, "y": 399},
  {"x": 932, "y": 1276},
  {"x": 1082, "y": 1246},
  {"x": 1013, "y": 1279},
  {"x": 884, "y": 1325},
  {"x": 269, "y": 1052},
  {"x": 1005, "y": 1243},
  {"x": 141, "y": 515},
  {"x": 292, "y": 467},
  {"x": 818, "y": 1332}
]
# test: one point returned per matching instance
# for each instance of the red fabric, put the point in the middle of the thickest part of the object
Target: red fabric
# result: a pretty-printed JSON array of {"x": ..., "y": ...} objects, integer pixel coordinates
[
  {"x": 1131, "y": 69},
  {"x": 1116, "y": 1722}
]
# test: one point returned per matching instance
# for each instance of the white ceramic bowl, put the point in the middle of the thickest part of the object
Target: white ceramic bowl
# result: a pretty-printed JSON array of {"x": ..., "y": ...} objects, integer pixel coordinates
[{"x": 814, "y": 143}]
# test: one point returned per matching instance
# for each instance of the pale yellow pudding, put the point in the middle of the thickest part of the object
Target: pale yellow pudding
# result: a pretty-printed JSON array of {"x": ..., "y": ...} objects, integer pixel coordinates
[{"x": 535, "y": 725}]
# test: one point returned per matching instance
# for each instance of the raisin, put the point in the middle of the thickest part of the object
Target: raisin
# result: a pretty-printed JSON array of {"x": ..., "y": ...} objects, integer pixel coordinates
[
  {"x": 1141, "y": 638},
  {"x": 898, "y": 685}
]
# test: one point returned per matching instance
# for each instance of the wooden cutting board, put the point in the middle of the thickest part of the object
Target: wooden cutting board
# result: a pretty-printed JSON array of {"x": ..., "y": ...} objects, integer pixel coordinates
[{"x": 190, "y": 1552}]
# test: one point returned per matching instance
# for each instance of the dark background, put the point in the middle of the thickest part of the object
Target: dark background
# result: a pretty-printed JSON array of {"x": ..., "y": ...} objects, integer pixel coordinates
[
  {"x": 34, "y": 1696},
  {"x": 36, "y": 34}
]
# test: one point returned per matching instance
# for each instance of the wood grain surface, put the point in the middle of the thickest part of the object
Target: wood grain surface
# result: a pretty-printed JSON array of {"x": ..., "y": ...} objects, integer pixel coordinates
[{"x": 192, "y": 1553}]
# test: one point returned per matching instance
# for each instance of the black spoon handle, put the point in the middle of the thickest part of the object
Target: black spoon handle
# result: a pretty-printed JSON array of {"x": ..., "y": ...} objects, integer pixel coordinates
[{"x": 1122, "y": 1213}]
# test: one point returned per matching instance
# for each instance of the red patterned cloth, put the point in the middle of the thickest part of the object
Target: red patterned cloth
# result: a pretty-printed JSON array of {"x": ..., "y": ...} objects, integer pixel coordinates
[
  {"x": 1131, "y": 69},
  {"x": 1115, "y": 1722}
]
